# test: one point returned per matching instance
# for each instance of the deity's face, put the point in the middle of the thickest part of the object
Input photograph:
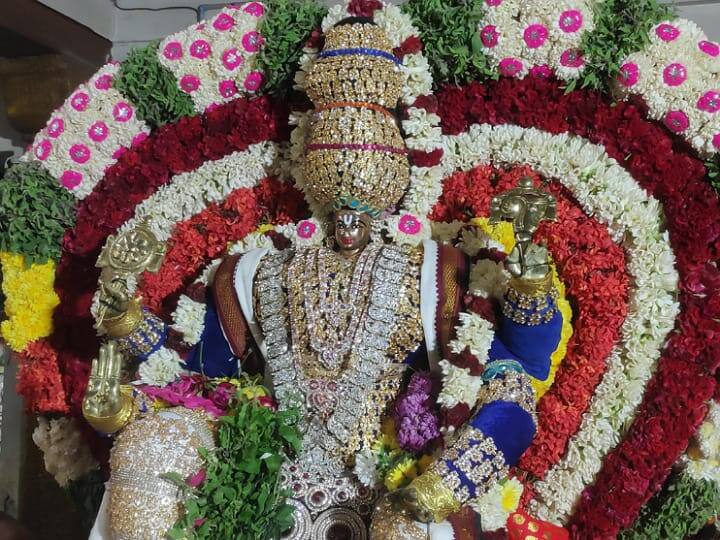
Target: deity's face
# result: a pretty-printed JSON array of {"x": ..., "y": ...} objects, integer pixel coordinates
[{"x": 352, "y": 230}]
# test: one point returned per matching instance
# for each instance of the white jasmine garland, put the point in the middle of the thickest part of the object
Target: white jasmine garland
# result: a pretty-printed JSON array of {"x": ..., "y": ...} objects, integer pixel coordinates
[
  {"x": 679, "y": 102},
  {"x": 213, "y": 61},
  {"x": 475, "y": 333},
  {"x": 634, "y": 219},
  {"x": 445, "y": 232},
  {"x": 161, "y": 368},
  {"x": 87, "y": 133},
  {"x": 190, "y": 193},
  {"x": 458, "y": 386},
  {"x": 66, "y": 456},
  {"x": 189, "y": 319},
  {"x": 253, "y": 240}
]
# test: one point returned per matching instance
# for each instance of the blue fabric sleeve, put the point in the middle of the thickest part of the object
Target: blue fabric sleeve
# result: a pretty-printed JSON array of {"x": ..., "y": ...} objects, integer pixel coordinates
[
  {"x": 212, "y": 356},
  {"x": 532, "y": 346},
  {"x": 509, "y": 425}
]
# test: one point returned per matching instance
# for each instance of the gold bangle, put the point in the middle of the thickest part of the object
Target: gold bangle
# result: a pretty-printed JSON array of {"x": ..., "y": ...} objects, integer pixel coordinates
[
  {"x": 125, "y": 323},
  {"x": 115, "y": 422},
  {"x": 532, "y": 287},
  {"x": 434, "y": 496}
]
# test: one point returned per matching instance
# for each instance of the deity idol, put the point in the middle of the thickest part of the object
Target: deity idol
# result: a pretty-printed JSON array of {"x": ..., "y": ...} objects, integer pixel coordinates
[{"x": 338, "y": 328}]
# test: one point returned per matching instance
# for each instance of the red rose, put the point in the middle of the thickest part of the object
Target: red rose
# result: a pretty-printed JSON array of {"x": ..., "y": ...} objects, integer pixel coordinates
[
  {"x": 426, "y": 159},
  {"x": 364, "y": 8},
  {"x": 411, "y": 45}
]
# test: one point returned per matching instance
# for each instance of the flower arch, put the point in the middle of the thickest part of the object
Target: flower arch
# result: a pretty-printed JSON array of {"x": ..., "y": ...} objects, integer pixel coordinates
[{"x": 212, "y": 160}]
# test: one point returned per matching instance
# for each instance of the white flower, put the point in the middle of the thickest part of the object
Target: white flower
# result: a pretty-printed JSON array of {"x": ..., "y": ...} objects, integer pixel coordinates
[
  {"x": 488, "y": 279},
  {"x": 474, "y": 332},
  {"x": 189, "y": 317},
  {"x": 458, "y": 386},
  {"x": 252, "y": 241},
  {"x": 498, "y": 503},
  {"x": 65, "y": 453},
  {"x": 161, "y": 368},
  {"x": 407, "y": 229},
  {"x": 366, "y": 468},
  {"x": 446, "y": 232}
]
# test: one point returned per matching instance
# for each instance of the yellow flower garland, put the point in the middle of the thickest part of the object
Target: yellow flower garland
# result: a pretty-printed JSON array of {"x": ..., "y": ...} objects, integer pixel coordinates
[
  {"x": 503, "y": 233},
  {"x": 29, "y": 300}
]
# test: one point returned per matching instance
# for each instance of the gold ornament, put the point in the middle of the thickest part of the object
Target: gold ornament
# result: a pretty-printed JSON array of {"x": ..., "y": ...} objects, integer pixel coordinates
[
  {"x": 355, "y": 153},
  {"x": 525, "y": 206},
  {"x": 434, "y": 497},
  {"x": 123, "y": 257}
]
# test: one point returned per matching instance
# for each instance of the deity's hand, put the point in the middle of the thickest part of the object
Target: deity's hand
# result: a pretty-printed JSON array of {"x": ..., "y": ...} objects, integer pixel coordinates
[
  {"x": 529, "y": 261},
  {"x": 404, "y": 501},
  {"x": 103, "y": 398},
  {"x": 114, "y": 295}
]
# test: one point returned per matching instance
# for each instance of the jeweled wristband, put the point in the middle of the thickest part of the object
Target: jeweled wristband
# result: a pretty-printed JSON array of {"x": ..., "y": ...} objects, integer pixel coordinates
[{"x": 434, "y": 496}]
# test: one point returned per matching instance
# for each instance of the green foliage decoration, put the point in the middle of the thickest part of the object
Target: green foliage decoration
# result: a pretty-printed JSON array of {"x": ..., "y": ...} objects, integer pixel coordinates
[
  {"x": 240, "y": 497},
  {"x": 152, "y": 88},
  {"x": 621, "y": 28},
  {"x": 286, "y": 28},
  {"x": 451, "y": 42},
  {"x": 681, "y": 509},
  {"x": 35, "y": 212},
  {"x": 713, "y": 172}
]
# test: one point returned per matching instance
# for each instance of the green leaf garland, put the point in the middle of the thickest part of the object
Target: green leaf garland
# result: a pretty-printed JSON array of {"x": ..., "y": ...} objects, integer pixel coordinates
[
  {"x": 449, "y": 32},
  {"x": 681, "y": 509},
  {"x": 35, "y": 212},
  {"x": 152, "y": 88},
  {"x": 240, "y": 497},
  {"x": 286, "y": 29}
]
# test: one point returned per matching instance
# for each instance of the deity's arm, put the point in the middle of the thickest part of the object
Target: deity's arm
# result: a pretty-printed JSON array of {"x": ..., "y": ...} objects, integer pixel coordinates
[
  {"x": 136, "y": 332},
  {"x": 529, "y": 325}
]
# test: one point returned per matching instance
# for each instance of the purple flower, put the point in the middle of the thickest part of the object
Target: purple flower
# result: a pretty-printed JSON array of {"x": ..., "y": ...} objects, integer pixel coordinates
[
  {"x": 416, "y": 423},
  {"x": 420, "y": 383},
  {"x": 415, "y": 432}
]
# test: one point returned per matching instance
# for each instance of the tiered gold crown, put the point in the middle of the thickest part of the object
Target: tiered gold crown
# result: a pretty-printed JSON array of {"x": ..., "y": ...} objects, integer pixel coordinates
[{"x": 356, "y": 156}]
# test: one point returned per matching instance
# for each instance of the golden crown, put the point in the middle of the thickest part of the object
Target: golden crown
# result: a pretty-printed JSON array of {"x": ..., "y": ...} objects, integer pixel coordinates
[{"x": 356, "y": 156}]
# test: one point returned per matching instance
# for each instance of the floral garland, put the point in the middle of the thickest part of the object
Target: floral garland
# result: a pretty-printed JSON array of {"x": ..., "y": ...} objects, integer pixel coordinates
[
  {"x": 88, "y": 133},
  {"x": 677, "y": 76},
  {"x": 606, "y": 191},
  {"x": 541, "y": 38},
  {"x": 213, "y": 60},
  {"x": 29, "y": 300},
  {"x": 181, "y": 147},
  {"x": 39, "y": 380},
  {"x": 673, "y": 403},
  {"x": 188, "y": 194}
]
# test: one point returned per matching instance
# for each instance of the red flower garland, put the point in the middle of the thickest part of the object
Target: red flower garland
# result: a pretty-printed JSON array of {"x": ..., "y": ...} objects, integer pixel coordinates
[
  {"x": 663, "y": 165},
  {"x": 39, "y": 380},
  {"x": 171, "y": 150},
  {"x": 139, "y": 172},
  {"x": 204, "y": 237},
  {"x": 593, "y": 270}
]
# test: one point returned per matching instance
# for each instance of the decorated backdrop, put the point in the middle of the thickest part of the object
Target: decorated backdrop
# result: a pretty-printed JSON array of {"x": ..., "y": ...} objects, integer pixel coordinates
[{"x": 614, "y": 105}]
